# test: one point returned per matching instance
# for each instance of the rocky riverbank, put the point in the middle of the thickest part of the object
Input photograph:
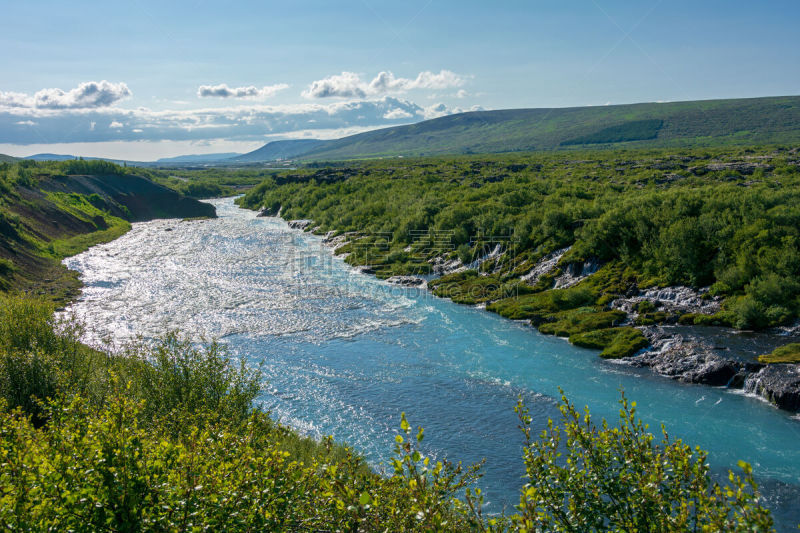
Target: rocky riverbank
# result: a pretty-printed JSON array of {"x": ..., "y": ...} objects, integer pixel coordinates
[{"x": 691, "y": 355}]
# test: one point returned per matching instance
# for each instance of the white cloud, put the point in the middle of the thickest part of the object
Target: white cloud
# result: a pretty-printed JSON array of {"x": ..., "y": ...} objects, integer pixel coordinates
[
  {"x": 240, "y": 123},
  {"x": 344, "y": 85},
  {"x": 26, "y": 123},
  {"x": 137, "y": 130},
  {"x": 251, "y": 92},
  {"x": 436, "y": 111},
  {"x": 87, "y": 95},
  {"x": 462, "y": 93},
  {"x": 350, "y": 84},
  {"x": 395, "y": 114}
]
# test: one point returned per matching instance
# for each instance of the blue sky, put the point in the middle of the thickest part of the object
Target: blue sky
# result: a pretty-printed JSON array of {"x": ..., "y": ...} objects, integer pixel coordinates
[{"x": 142, "y": 79}]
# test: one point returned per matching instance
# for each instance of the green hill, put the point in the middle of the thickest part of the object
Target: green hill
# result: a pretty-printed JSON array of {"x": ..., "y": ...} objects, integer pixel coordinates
[
  {"x": 676, "y": 124},
  {"x": 7, "y": 158}
]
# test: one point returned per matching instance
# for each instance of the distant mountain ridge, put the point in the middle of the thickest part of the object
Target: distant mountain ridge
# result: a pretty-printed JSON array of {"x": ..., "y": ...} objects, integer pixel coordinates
[{"x": 281, "y": 150}]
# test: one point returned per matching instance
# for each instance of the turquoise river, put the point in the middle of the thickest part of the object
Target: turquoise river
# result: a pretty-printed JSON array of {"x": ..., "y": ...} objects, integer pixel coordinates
[{"x": 344, "y": 353}]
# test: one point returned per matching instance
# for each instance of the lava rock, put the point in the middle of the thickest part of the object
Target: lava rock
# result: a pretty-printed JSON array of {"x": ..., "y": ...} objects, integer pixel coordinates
[{"x": 778, "y": 383}]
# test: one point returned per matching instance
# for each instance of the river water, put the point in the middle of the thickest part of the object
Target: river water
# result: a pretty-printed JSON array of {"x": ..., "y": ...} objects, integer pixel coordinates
[{"x": 344, "y": 353}]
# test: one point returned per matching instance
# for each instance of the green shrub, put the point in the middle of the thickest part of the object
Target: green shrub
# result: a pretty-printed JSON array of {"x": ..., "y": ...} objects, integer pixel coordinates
[
  {"x": 179, "y": 378},
  {"x": 27, "y": 324},
  {"x": 587, "y": 477},
  {"x": 648, "y": 319}
]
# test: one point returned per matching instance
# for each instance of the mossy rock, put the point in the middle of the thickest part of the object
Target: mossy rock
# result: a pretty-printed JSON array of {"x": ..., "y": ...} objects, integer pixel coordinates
[
  {"x": 789, "y": 353},
  {"x": 648, "y": 319},
  {"x": 615, "y": 342}
]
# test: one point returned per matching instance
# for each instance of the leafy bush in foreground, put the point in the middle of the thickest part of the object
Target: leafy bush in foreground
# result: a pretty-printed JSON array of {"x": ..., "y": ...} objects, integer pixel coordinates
[{"x": 584, "y": 477}]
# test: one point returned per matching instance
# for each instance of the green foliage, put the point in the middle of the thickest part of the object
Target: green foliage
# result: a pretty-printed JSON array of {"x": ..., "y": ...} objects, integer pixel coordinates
[
  {"x": 180, "y": 379},
  {"x": 580, "y": 320},
  {"x": 98, "y": 167},
  {"x": 788, "y": 353},
  {"x": 39, "y": 356},
  {"x": 468, "y": 287},
  {"x": 585, "y": 477},
  {"x": 615, "y": 342},
  {"x": 207, "y": 183}
]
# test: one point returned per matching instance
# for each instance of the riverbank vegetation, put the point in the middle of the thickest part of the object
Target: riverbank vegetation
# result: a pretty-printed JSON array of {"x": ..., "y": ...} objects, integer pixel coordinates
[
  {"x": 169, "y": 437},
  {"x": 723, "y": 218}
]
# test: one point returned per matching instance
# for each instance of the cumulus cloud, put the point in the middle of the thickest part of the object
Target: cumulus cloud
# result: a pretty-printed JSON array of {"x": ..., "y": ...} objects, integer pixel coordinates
[
  {"x": 350, "y": 84},
  {"x": 87, "y": 95},
  {"x": 344, "y": 85},
  {"x": 115, "y": 124},
  {"x": 251, "y": 92}
]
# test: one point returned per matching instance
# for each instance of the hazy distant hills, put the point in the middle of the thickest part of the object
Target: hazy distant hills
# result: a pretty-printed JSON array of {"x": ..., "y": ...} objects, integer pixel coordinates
[
  {"x": 7, "y": 158},
  {"x": 697, "y": 123},
  {"x": 281, "y": 150},
  {"x": 199, "y": 158},
  {"x": 53, "y": 157}
]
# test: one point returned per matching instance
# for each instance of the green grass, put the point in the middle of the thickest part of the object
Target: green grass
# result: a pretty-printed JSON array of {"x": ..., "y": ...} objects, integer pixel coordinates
[
  {"x": 614, "y": 342},
  {"x": 62, "y": 248},
  {"x": 789, "y": 353},
  {"x": 580, "y": 320}
]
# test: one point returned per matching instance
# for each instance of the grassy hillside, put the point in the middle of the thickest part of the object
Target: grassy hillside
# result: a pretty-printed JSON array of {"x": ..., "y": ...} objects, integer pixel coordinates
[
  {"x": 678, "y": 124},
  {"x": 7, "y": 158},
  {"x": 49, "y": 211},
  {"x": 724, "y": 218}
]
